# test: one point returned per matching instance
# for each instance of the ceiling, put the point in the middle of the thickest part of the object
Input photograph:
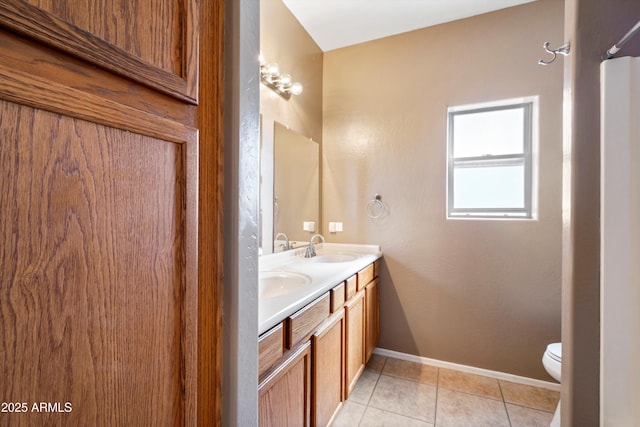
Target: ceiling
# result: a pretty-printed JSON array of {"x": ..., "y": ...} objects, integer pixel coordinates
[{"x": 338, "y": 23}]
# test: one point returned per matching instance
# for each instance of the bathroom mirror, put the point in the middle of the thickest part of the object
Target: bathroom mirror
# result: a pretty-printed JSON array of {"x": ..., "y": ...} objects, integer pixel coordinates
[{"x": 296, "y": 186}]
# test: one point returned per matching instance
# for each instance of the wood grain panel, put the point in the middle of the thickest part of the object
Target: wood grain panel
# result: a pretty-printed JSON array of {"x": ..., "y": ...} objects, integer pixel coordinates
[
  {"x": 21, "y": 54},
  {"x": 270, "y": 348},
  {"x": 355, "y": 340},
  {"x": 210, "y": 208},
  {"x": 302, "y": 323},
  {"x": 337, "y": 298},
  {"x": 351, "y": 287},
  {"x": 25, "y": 88},
  {"x": 365, "y": 276},
  {"x": 284, "y": 397},
  {"x": 153, "y": 42},
  {"x": 98, "y": 261},
  {"x": 327, "y": 347},
  {"x": 372, "y": 324}
]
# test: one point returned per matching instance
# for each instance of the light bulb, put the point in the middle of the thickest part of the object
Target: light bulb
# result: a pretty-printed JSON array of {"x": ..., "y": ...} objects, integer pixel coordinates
[
  {"x": 296, "y": 88},
  {"x": 273, "y": 69},
  {"x": 285, "y": 80}
]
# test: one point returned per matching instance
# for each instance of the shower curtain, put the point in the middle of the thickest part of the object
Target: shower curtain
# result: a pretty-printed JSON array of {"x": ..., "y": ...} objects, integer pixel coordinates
[{"x": 620, "y": 243}]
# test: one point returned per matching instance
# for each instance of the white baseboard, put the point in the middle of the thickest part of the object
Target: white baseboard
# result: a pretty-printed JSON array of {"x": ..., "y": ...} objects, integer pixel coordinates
[{"x": 469, "y": 369}]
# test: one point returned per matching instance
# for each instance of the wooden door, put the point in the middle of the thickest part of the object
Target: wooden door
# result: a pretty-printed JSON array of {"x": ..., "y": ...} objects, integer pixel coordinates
[
  {"x": 99, "y": 210},
  {"x": 354, "y": 337},
  {"x": 327, "y": 348}
]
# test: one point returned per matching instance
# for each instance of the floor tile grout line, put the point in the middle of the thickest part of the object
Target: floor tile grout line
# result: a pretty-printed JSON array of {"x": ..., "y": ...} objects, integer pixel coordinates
[
  {"x": 408, "y": 379},
  {"x": 399, "y": 414},
  {"x": 435, "y": 409},
  {"x": 373, "y": 390},
  {"x": 377, "y": 380},
  {"x": 366, "y": 406},
  {"x": 505, "y": 404},
  {"x": 483, "y": 396},
  {"x": 520, "y": 405}
]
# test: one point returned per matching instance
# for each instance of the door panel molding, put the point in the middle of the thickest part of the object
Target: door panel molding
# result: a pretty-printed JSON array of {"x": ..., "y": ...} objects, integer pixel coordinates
[
  {"x": 46, "y": 28},
  {"x": 27, "y": 89}
]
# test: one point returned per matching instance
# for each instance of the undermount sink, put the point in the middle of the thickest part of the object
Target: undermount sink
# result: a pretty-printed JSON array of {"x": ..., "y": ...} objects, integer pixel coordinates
[
  {"x": 331, "y": 258},
  {"x": 278, "y": 283}
]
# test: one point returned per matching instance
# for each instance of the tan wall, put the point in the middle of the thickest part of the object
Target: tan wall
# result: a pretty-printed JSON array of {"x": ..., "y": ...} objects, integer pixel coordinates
[
  {"x": 285, "y": 42},
  {"x": 592, "y": 26},
  {"x": 475, "y": 292}
]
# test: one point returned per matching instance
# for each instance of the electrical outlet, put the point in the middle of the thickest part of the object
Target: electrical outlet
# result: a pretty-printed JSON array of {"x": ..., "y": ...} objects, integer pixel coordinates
[{"x": 335, "y": 227}]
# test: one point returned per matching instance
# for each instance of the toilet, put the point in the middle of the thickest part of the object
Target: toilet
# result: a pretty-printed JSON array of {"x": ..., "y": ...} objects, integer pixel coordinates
[{"x": 552, "y": 362}]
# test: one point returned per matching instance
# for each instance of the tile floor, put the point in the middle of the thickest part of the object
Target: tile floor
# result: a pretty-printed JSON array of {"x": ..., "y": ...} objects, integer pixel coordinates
[{"x": 393, "y": 392}]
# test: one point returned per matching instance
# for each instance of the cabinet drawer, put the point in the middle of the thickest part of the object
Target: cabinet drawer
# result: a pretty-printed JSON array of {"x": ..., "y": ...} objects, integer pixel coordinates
[
  {"x": 376, "y": 268},
  {"x": 337, "y": 297},
  {"x": 270, "y": 348},
  {"x": 365, "y": 276},
  {"x": 350, "y": 287},
  {"x": 301, "y": 324}
]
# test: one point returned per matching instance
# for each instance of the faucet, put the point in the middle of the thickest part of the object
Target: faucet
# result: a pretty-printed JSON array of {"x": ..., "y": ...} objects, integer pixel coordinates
[
  {"x": 287, "y": 245},
  {"x": 311, "y": 251}
]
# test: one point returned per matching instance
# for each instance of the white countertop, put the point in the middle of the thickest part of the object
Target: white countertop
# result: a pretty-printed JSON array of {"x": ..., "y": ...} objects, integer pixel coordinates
[{"x": 324, "y": 276}]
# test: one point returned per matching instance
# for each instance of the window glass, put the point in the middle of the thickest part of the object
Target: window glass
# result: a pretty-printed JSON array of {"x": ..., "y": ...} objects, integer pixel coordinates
[
  {"x": 489, "y": 187},
  {"x": 488, "y": 133},
  {"x": 490, "y": 160}
]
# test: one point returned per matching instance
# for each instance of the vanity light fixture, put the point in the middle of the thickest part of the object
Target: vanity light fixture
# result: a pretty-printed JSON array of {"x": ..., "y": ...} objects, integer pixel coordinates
[{"x": 282, "y": 84}]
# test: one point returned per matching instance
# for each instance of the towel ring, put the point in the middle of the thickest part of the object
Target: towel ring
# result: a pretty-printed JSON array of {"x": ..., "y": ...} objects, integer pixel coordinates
[{"x": 376, "y": 208}]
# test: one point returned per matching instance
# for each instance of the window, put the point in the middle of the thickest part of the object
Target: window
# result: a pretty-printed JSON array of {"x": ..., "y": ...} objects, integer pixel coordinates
[{"x": 490, "y": 166}]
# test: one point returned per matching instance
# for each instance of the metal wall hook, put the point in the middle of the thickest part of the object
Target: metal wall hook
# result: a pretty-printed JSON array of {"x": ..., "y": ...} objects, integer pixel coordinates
[{"x": 563, "y": 50}]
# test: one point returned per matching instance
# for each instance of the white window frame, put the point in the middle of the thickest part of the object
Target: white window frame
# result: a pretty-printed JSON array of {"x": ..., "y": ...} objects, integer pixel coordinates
[{"x": 527, "y": 158}]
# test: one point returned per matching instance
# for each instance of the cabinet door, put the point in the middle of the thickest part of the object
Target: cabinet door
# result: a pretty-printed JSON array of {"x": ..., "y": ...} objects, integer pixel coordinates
[
  {"x": 284, "y": 398},
  {"x": 327, "y": 348},
  {"x": 354, "y": 351},
  {"x": 372, "y": 325}
]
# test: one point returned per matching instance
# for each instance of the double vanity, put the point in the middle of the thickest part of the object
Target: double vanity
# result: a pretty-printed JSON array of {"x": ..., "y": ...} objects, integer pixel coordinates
[{"x": 318, "y": 325}]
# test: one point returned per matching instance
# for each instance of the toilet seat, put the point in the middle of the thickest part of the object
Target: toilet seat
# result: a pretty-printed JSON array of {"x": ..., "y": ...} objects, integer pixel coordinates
[
  {"x": 555, "y": 351},
  {"x": 552, "y": 360}
]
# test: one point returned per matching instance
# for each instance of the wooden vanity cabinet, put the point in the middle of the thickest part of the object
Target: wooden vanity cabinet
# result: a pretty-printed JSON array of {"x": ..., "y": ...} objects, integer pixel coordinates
[
  {"x": 310, "y": 362},
  {"x": 354, "y": 311},
  {"x": 327, "y": 346},
  {"x": 284, "y": 396}
]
